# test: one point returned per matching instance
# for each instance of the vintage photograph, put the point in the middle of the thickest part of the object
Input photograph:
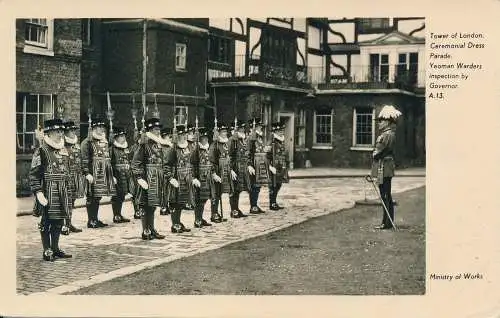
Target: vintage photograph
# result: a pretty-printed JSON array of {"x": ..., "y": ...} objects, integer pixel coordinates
[{"x": 236, "y": 156}]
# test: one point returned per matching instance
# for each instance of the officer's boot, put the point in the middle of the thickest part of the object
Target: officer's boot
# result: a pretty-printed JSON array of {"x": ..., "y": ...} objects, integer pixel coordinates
[
  {"x": 183, "y": 227},
  {"x": 232, "y": 204},
  {"x": 237, "y": 204},
  {"x": 48, "y": 254},
  {"x": 176, "y": 220},
  {"x": 96, "y": 213},
  {"x": 202, "y": 210},
  {"x": 72, "y": 228},
  {"x": 91, "y": 222},
  {"x": 137, "y": 210},
  {"x": 117, "y": 205},
  {"x": 198, "y": 211},
  {"x": 146, "y": 230},
  {"x": 272, "y": 198},
  {"x": 55, "y": 233},
  {"x": 154, "y": 233},
  {"x": 216, "y": 217}
]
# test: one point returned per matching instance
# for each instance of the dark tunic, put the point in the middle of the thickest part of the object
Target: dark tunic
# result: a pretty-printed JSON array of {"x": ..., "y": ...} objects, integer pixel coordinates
[
  {"x": 96, "y": 161},
  {"x": 49, "y": 174},
  {"x": 383, "y": 165},
  {"x": 220, "y": 165},
  {"x": 238, "y": 157},
  {"x": 75, "y": 169},
  {"x": 122, "y": 170},
  {"x": 148, "y": 164},
  {"x": 258, "y": 159},
  {"x": 278, "y": 158},
  {"x": 179, "y": 167},
  {"x": 202, "y": 170}
]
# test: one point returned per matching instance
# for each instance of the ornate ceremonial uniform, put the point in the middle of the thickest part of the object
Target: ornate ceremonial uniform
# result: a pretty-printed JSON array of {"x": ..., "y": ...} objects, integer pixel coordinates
[
  {"x": 166, "y": 144},
  {"x": 220, "y": 166},
  {"x": 122, "y": 170},
  {"x": 278, "y": 158},
  {"x": 238, "y": 158},
  {"x": 137, "y": 210},
  {"x": 179, "y": 167},
  {"x": 77, "y": 180},
  {"x": 383, "y": 166},
  {"x": 50, "y": 181},
  {"x": 96, "y": 165},
  {"x": 202, "y": 171},
  {"x": 258, "y": 161},
  {"x": 148, "y": 166}
]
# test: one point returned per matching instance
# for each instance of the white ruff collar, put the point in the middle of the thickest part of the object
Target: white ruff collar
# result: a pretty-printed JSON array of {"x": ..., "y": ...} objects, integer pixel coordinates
[
  {"x": 124, "y": 145},
  {"x": 204, "y": 147},
  {"x": 279, "y": 138},
  {"x": 101, "y": 138},
  {"x": 182, "y": 145},
  {"x": 166, "y": 142},
  {"x": 153, "y": 137},
  {"x": 71, "y": 141},
  {"x": 51, "y": 143}
]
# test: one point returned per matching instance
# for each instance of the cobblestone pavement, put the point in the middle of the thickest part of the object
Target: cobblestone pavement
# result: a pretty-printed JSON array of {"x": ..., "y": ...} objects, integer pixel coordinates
[{"x": 117, "y": 250}]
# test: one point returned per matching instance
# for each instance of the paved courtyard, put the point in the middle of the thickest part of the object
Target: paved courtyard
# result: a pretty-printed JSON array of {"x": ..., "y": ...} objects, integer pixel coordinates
[{"x": 102, "y": 254}]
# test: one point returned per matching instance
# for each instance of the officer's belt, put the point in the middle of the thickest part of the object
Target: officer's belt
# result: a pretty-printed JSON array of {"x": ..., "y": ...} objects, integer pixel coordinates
[
  {"x": 153, "y": 165},
  {"x": 101, "y": 158},
  {"x": 55, "y": 177},
  {"x": 122, "y": 166}
]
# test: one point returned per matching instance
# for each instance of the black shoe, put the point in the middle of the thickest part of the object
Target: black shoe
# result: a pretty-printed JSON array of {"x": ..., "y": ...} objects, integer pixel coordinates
[
  {"x": 274, "y": 207},
  {"x": 164, "y": 211},
  {"x": 185, "y": 229},
  {"x": 383, "y": 227},
  {"x": 92, "y": 225},
  {"x": 235, "y": 214},
  {"x": 48, "y": 255},
  {"x": 101, "y": 224},
  {"x": 137, "y": 215},
  {"x": 216, "y": 218},
  {"x": 73, "y": 229},
  {"x": 61, "y": 254},
  {"x": 120, "y": 219},
  {"x": 156, "y": 235},
  {"x": 205, "y": 223},
  {"x": 147, "y": 236},
  {"x": 198, "y": 224},
  {"x": 255, "y": 210},
  {"x": 176, "y": 228}
]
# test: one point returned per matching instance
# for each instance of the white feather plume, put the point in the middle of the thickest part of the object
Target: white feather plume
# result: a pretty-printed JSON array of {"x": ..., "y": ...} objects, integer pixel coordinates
[{"x": 389, "y": 112}]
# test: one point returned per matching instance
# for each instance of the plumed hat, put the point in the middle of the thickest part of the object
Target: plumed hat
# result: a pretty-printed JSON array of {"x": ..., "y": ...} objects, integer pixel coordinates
[
  {"x": 152, "y": 123},
  {"x": 389, "y": 112},
  {"x": 53, "y": 124}
]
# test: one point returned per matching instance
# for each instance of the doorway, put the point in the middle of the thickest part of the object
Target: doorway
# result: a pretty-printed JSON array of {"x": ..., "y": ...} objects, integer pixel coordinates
[{"x": 289, "y": 120}]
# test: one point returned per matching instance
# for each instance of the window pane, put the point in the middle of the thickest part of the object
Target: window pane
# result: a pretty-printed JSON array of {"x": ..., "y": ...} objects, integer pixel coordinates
[
  {"x": 29, "y": 141},
  {"x": 385, "y": 58},
  {"x": 402, "y": 58},
  {"x": 384, "y": 73},
  {"x": 19, "y": 103},
  {"x": 31, "y": 122},
  {"x": 32, "y": 103},
  {"x": 364, "y": 126},
  {"x": 19, "y": 123},
  {"x": 45, "y": 104}
]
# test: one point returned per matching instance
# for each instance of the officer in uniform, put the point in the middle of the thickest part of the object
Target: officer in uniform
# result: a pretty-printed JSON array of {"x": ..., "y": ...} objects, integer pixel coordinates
[
  {"x": 202, "y": 172},
  {"x": 278, "y": 159},
  {"x": 135, "y": 145},
  {"x": 383, "y": 160},
  {"x": 75, "y": 169},
  {"x": 238, "y": 162},
  {"x": 221, "y": 181},
  {"x": 96, "y": 166},
  {"x": 180, "y": 177},
  {"x": 50, "y": 181},
  {"x": 120, "y": 161},
  {"x": 166, "y": 135},
  {"x": 257, "y": 164},
  {"x": 148, "y": 168}
]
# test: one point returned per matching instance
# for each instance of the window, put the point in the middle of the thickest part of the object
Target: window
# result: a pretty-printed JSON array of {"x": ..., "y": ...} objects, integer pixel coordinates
[
  {"x": 87, "y": 31},
  {"x": 180, "y": 56},
  {"x": 181, "y": 115},
  {"x": 300, "y": 129},
  {"x": 364, "y": 127},
  {"x": 379, "y": 67},
  {"x": 31, "y": 111},
  {"x": 372, "y": 25},
  {"x": 407, "y": 68},
  {"x": 38, "y": 36},
  {"x": 323, "y": 127},
  {"x": 220, "y": 50}
]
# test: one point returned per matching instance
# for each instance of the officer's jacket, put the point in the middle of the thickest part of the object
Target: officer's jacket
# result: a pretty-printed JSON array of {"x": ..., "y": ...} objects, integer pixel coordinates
[{"x": 383, "y": 154}]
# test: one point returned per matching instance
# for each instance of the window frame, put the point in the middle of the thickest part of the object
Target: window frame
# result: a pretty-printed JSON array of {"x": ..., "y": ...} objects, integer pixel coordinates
[
  {"x": 355, "y": 145},
  {"x": 87, "y": 31},
  {"x": 183, "y": 66},
  {"x": 24, "y": 113},
  {"x": 34, "y": 47},
  {"x": 300, "y": 129},
  {"x": 317, "y": 145}
]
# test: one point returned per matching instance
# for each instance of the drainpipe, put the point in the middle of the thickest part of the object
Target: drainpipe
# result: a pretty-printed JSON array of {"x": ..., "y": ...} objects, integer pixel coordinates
[{"x": 144, "y": 65}]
